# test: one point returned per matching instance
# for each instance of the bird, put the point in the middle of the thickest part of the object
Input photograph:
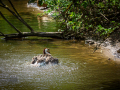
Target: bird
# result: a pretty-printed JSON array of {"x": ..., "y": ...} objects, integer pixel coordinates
[{"x": 44, "y": 58}]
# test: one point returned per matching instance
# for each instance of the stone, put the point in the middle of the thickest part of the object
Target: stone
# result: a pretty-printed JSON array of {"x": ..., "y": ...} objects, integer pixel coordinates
[
  {"x": 118, "y": 51},
  {"x": 89, "y": 41}
]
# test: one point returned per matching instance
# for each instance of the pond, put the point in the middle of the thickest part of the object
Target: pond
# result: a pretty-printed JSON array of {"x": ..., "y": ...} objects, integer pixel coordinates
[{"x": 78, "y": 69}]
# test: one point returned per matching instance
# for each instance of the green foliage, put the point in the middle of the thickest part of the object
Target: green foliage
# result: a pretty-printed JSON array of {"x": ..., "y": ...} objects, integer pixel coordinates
[
  {"x": 84, "y": 16},
  {"x": 84, "y": 4},
  {"x": 104, "y": 30}
]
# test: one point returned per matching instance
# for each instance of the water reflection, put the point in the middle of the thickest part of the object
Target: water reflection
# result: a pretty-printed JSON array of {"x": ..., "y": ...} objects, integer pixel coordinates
[
  {"x": 42, "y": 21},
  {"x": 115, "y": 84}
]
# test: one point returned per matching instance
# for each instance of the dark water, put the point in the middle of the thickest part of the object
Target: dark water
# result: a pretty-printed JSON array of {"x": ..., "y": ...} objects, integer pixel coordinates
[{"x": 78, "y": 69}]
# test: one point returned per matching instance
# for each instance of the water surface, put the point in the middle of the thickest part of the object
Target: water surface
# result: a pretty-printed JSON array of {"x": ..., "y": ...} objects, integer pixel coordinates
[{"x": 78, "y": 68}]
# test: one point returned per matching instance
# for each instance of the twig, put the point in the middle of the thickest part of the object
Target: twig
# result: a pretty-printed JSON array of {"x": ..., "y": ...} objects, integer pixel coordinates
[
  {"x": 2, "y": 34},
  {"x": 69, "y": 6},
  {"x": 104, "y": 16}
]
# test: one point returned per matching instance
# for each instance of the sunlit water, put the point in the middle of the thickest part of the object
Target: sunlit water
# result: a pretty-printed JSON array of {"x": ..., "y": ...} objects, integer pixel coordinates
[{"x": 78, "y": 69}]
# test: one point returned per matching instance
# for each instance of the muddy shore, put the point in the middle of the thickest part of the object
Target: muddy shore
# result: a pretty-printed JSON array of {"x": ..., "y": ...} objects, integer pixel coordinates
[
  {"x": 112, "y": 51},
  {"x": 110, "y": 48}
]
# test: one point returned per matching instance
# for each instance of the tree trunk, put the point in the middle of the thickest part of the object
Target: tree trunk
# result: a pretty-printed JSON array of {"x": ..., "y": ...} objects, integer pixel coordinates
[{"x": 39, "y": 34}]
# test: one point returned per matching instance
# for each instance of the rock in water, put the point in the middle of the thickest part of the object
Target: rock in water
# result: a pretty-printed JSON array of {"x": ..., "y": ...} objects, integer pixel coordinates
[{"x": 118, "y": 51}]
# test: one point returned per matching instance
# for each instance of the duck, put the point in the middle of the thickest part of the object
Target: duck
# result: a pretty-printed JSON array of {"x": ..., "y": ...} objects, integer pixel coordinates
[{"x": 44, "y": 59}]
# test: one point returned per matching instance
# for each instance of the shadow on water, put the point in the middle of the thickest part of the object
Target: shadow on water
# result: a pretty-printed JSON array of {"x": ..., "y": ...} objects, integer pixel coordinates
[
  {"x": 111, "y": 85},
  {"x": 31, "y": 41}
]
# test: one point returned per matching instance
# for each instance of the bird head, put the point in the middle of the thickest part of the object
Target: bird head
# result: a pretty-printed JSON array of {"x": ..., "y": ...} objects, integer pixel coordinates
[{"x": 46, "y": 51}]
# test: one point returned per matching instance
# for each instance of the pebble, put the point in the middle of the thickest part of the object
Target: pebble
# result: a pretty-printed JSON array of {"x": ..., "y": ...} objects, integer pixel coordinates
[
  {"x": 89, "y": 41},
  {"x": 118, "y": 51}
]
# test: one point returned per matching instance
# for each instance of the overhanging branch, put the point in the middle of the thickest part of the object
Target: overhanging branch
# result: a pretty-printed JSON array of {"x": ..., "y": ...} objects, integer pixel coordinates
[
  {"x": 22, "y": 20},
  {"x": 17, "y": 16},
  {"x": 10, "y": 23},
  {"x": 2, "y": 34}
]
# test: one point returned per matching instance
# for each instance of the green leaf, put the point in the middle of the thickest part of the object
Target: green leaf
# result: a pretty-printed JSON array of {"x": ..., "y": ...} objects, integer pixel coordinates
[
  {"x": 84, "y": 4},
  {"x": 73, "y": 27}
]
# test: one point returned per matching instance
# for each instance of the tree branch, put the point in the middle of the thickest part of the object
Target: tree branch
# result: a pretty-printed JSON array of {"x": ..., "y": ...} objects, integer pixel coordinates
[
  {"x": 104, "y": 16},
  {"x": 2, "y": 34},
  {"x": 10, "y": 23},
  {"x": 39, "y": 34},
  {"x": 32, "y": 31},
  {"x": 17, "y": 16}
]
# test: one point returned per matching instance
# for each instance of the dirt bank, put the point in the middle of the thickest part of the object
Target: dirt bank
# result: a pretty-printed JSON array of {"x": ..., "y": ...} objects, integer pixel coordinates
[{"x": 110, "y": 47}]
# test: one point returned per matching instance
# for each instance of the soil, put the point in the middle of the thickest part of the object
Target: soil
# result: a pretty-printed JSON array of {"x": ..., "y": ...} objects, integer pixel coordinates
[
  {"x": 111, "y": 50},
  {"x": 110, "y": 47}
]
